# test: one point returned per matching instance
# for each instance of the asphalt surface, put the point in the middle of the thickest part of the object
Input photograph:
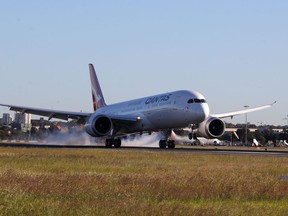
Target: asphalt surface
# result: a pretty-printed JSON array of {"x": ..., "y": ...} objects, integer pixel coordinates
[{"x": 209, "y": 150}]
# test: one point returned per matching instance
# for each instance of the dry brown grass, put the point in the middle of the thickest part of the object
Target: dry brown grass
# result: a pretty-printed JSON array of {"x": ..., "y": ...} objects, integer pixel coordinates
[{"x": 113, "y": 182}]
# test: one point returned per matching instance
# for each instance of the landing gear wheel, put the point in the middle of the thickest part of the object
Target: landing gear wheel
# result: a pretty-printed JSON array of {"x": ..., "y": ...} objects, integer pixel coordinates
[
  {"x": 113, "y": 142},
  {"x": 117, "y": 143},
  {"x": 162, "y": 143},
  {"x": 109, "y": 143},
  {"x": 171, "y": 144}
]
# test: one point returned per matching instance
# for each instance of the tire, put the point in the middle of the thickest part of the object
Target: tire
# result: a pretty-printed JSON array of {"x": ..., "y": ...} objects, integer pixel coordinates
[
  {"x": 162, "y": 143},
  {"x": 108, "y": 143},
  {"x": 117, "y": 143},
  {"x": 171, "y": 144}
]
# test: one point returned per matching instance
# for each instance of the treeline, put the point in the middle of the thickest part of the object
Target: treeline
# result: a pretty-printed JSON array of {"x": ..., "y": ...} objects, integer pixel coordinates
[{"x": 262, "y": 136}]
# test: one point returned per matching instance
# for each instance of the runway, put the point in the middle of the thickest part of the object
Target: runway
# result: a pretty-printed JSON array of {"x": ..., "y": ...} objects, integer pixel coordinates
[{"x": 179, "y": 149}]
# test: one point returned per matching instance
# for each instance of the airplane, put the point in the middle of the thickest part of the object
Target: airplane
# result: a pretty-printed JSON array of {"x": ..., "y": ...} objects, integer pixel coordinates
[{"x": 157, "y": 113}]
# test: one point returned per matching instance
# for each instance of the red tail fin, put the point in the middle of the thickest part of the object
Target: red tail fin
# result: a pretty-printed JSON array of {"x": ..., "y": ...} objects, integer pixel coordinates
[{"x": 97, "y": 96}]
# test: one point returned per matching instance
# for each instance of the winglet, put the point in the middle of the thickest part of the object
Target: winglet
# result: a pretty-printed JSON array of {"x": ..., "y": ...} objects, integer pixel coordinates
[{"x": 97, "y": 96}]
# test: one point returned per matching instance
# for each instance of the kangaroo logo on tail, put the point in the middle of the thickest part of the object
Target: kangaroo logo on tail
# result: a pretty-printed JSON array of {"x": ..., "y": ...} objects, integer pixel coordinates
[{"x": 97, "y": 96}]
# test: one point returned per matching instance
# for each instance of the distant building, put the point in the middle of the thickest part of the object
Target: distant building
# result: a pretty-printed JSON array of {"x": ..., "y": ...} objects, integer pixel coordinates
[
  {"x": 23, "y": 119},
  {"x": 7, "y": 120}
]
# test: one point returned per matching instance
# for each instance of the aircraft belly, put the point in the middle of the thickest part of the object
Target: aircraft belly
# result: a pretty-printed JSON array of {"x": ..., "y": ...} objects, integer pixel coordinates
[{"x": 169, "y": 119}]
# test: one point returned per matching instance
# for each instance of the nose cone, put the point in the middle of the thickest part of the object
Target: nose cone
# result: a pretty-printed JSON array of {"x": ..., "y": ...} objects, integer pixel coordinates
[
  {"x": 202, "y": 107},
  {"x": 200, "y": 112},
  {"x": 205, "y": 110}
]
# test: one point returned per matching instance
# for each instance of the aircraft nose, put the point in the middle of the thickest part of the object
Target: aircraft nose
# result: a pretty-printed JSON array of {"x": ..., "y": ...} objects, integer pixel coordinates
[{"x": 205, "y": 110}]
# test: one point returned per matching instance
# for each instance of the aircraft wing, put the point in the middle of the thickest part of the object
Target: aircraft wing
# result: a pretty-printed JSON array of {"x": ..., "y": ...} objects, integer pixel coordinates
[
  {"x": 231, "y": 114},
  {"x": 123, "y": 123},
  {"x": 64, "y": 115}
]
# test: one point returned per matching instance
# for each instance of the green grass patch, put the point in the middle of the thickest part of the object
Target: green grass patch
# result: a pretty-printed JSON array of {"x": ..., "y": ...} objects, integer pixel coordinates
[{"x": 125, "y": 182}]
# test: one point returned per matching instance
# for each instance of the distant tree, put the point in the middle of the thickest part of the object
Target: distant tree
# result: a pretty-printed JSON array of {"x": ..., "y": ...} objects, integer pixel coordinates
[
  {"x": 269, "y": 135},
  {"x": 283, "y": 136},
  {"x": 2, "y": 134},
  {"x": 241, "y": 133}
]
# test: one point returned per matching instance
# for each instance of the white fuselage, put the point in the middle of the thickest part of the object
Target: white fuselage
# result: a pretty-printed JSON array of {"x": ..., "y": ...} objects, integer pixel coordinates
[{"x": 164, "y": 111}]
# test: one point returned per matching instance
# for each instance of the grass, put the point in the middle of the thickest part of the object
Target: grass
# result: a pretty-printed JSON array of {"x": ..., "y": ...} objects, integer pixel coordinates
[{"x": 125, "y": 182}]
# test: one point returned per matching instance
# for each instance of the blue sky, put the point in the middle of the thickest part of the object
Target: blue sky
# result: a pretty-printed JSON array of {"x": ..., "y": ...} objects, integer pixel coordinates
[{"x": 234, "y": 52}]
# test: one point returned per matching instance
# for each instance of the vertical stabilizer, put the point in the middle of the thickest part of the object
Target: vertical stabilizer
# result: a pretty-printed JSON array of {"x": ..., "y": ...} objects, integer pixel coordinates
[{"x": 97, "y": 96}]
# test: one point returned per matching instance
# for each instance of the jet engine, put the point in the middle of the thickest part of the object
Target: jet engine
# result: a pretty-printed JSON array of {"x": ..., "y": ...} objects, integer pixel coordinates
[
  {"x": 99, "y": 125},
  {"x": 211, "y": 128}
]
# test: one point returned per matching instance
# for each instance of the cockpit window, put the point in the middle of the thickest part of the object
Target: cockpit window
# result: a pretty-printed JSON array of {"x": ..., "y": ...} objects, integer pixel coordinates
[
  {"x": 196, "y": 100},
  {"x": 199, "y": 100},
  {"x": 190, "y": 101}
]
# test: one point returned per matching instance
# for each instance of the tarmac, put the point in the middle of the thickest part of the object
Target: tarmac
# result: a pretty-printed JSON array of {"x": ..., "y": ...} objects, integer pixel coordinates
[{"x": 251, "y": 151}]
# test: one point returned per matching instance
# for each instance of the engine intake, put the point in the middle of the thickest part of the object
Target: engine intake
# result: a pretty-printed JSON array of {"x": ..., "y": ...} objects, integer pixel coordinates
[
  {"x": 98, "y": 126},
  {"x": 211, "y": 128}
]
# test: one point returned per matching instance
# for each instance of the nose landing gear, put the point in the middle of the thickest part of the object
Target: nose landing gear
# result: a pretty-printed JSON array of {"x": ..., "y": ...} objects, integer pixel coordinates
[
  {"x": 113, "y": 142},
  {"x": 167, "y": 143}
]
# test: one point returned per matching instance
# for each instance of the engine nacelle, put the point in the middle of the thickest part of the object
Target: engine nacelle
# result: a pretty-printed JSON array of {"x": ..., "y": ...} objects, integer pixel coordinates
[
  {"x": 211, "y": 128},
  {"x": 99, "y": 125}
]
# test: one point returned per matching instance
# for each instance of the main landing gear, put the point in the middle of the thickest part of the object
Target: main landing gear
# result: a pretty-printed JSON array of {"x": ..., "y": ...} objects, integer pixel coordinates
[
  {"x": 113, "y": 142},
  {"x": 109, "y": 143},
  {"x": 167, "y": 143}
]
